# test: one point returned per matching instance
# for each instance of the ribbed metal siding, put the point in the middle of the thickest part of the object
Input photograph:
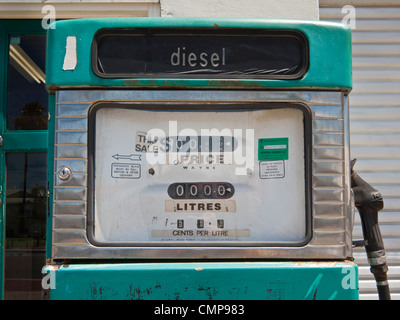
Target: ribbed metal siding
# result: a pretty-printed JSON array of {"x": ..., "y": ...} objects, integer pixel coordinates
[{"x": 375, "y": 122}]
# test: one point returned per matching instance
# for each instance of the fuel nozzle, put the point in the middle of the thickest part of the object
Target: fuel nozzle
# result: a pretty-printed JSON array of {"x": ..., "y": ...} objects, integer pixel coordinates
[{"x": 369, "y": 202}]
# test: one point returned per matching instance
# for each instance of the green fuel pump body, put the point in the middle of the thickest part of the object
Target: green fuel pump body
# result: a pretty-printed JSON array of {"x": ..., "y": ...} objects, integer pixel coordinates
[{"x": 275, "y": 227}]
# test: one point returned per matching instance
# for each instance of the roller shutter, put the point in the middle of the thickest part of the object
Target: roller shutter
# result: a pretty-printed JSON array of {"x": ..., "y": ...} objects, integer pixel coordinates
[{"x": 375, "y": 121}]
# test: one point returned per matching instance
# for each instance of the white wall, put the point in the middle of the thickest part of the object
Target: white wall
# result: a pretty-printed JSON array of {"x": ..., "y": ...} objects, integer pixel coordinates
[
  {"x": 279, "y": 9},
  {"x": 65, "y": 9},
  {"x": 275, "y": 9}
]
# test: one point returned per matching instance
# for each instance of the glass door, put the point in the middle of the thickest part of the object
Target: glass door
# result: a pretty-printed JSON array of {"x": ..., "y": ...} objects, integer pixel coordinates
[{"x": 23, "y": 160}]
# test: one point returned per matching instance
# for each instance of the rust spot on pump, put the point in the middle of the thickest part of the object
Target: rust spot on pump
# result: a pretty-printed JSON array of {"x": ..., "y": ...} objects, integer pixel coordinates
[{"x": 210, "y": 292}]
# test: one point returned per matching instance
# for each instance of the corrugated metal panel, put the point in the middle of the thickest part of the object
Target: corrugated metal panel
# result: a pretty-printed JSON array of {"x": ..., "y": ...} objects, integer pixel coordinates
[
  {"x": 366, "y": 3},
  {"x": 375, "y": 121}
]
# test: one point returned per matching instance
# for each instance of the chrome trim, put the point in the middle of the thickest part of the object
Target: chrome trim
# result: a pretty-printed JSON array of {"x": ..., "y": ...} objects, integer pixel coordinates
[{"x": 332, "y": 221}]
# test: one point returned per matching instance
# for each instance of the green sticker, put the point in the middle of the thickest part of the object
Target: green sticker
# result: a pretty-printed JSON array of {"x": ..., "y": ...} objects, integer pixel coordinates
[{"x": 270, "y": 149}]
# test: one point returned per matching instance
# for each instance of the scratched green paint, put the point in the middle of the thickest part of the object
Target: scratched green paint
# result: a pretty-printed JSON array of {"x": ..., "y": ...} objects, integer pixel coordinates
[
  {"x": 199, "y": 281},
  {"x": 329, "y": 68}
]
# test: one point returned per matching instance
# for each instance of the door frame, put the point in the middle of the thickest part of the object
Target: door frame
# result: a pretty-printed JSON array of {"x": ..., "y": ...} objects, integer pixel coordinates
[{"x": 14, "y": 140}]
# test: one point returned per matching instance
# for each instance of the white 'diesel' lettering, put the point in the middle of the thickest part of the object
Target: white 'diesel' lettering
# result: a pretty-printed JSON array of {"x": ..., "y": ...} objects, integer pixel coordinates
[{"x": 183, "y": 58}]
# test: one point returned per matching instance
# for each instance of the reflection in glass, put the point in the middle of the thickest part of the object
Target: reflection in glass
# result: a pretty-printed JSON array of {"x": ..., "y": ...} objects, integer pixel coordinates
[
  {"x": 25, "y": 225},
  {"x": 27, "y": 104}
]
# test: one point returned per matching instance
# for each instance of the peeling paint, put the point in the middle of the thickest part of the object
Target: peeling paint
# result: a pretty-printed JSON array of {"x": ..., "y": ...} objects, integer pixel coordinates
[
  {"x": 275, "y": 294},
  {"x": 96, "y": 291},
  {"x": 216, "y": 281},
  {"x": 210, "y": 292},
  {"x": 70, "y": 59},
  {"x": 137, "y": 293}
]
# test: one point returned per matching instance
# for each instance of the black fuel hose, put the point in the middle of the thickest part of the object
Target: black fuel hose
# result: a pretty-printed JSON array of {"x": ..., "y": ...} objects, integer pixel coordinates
[{"x": 369, "y": 202}]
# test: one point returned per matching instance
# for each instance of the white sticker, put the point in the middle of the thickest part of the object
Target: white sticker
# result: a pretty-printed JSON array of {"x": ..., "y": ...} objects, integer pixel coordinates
[
  {"x": 70, "y": 59},
  {"x": 272, "y": 169},
  {"x": 125, "y": 170}
]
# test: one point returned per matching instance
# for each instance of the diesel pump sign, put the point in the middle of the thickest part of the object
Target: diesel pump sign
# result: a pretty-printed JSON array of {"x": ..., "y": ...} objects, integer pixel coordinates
[{"x": 172, "y": 53}]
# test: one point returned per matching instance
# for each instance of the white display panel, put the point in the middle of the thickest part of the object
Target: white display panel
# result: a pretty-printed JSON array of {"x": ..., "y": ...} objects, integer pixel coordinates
[{"x": 191, "y": 175}]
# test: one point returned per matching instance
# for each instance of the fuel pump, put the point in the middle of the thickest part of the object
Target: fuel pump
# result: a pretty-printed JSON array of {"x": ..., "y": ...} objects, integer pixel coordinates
[
  {"x": 200, "y": 158},
  {"x": 369, "y": 202}
]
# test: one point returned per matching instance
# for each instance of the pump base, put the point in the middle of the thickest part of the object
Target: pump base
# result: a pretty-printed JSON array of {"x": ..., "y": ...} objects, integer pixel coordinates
[{"x": 204, "y": 281}]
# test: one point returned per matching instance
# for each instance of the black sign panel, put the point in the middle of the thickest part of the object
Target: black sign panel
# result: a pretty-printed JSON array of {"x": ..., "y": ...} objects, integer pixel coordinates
[{"x": 199, "y": 53}]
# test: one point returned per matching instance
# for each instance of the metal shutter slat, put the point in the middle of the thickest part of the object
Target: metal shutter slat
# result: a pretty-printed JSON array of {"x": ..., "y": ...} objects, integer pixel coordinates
[{"x": 375, "y": 122}]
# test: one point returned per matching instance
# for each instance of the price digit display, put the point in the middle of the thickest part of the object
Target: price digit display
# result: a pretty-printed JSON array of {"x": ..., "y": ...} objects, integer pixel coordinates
[{"x": 201, "y": 190}]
